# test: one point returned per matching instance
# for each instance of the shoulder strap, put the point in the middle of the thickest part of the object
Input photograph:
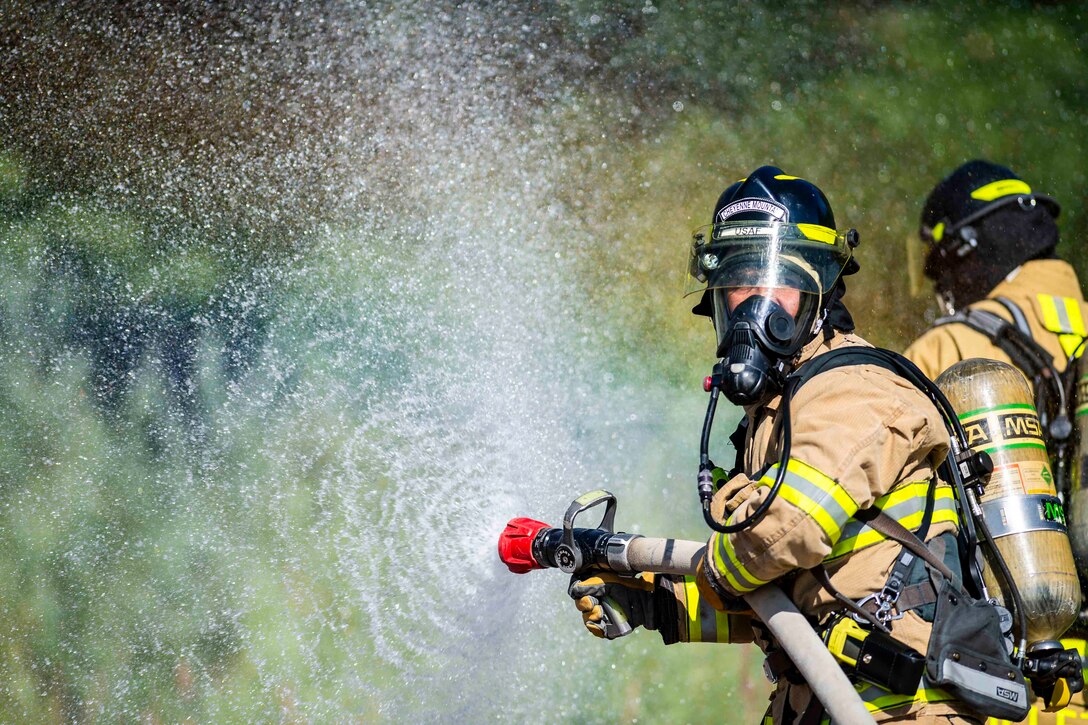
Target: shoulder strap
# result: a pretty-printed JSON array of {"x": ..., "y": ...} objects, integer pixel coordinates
[
  {"x": 891, "y": 528},
  {"x": 1021, "y": 347},
  {"x": 1017, "y": 315},
  {"x": 839, "y": 357}
]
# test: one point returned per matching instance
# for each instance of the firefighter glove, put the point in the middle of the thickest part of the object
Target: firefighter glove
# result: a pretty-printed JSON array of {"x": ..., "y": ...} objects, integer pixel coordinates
[{"x": 613, "y": 606}]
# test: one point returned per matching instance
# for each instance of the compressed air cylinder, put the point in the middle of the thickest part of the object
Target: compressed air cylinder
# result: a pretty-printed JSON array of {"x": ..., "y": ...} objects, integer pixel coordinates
[
  {"x": 1019, "y": 501},
  {"x": 1078, "y": 503}
]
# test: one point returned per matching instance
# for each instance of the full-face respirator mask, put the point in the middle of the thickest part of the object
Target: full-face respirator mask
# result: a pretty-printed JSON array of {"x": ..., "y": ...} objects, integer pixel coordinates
[
  {"x": 754, "y": 344},
  {"x": 766, "y": 301}
]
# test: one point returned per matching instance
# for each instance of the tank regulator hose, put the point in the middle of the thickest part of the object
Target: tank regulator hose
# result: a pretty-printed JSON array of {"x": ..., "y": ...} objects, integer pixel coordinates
[{"x": 706, "y": 476}]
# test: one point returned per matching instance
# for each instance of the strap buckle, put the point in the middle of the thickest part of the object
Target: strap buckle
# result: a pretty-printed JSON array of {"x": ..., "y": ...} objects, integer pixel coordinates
[{"x": 885, "y": 607}]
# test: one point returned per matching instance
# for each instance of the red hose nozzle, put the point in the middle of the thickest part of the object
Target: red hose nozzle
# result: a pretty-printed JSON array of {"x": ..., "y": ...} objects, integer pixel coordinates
[{"x": 516, "y": 544}]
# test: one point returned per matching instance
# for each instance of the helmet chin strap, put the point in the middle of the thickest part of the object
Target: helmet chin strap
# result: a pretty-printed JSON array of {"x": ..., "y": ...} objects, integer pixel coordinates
[{"x": 818, "y": 323}]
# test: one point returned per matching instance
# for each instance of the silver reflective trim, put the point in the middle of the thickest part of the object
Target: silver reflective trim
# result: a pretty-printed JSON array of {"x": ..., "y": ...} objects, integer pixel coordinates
[
  {"x": 902, "y": 510},
  {"x": 744, "y": 581},
  {"x": 819, "y": 496},
  {"x": 998, "y": 688},
  {"x": 1020, "y": 514},
  {"x": 1063, "y": 315}
]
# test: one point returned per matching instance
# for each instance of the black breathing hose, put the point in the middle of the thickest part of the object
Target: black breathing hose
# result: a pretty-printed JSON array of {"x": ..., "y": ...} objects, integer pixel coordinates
[
  {"x": 704, "y": 441},
  {"x": 706, "y": 491}
]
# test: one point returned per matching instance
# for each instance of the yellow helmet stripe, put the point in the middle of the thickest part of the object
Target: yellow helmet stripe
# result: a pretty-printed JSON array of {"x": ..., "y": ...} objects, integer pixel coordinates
[
  {"x": 818, "y": 233},
  {"x": 938, "y": 231},
  {"x": 998, "y": 189}
]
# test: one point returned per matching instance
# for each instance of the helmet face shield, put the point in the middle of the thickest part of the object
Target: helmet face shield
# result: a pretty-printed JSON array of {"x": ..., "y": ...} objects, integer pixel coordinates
[
  {"x": 767, "y": 255},
  {"x": 787, "y": 268}
]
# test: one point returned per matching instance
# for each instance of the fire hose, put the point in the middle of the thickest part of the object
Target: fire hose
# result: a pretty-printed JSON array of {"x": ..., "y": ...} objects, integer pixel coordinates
[{"x": 527, "y": 544}]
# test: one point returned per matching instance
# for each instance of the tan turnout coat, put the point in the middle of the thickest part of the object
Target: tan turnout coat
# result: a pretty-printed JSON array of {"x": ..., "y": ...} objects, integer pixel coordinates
[{"x": 860, "y": 433}]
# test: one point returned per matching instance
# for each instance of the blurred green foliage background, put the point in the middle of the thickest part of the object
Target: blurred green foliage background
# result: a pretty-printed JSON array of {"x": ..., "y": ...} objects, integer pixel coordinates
[{"x": 138, "y": 297}]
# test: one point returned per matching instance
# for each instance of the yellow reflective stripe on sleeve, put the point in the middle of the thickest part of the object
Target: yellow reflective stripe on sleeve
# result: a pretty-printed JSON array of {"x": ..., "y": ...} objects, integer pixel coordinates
[
  {"x": 691, "y": 593},
  {"x": 1076, "y": 320},
  {"x": 1050, "y": 313},
  {"x": 877, "y": 699},
  {"x": 998, "y": 189},
  {"x": 817, "y": 495},
  {"x": 1070, "y": 343},
  {"x": 906, "y": 505},
  {"x": 694, "y": 623},
  {"x": 728, "y": 566},
  {"x": 721, "y": 621},
  {"x": 868, "y": 537},
  {"x": 1061, "y": 314}
]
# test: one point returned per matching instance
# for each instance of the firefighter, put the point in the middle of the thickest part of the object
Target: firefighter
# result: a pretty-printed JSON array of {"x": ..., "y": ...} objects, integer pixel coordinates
[
  {"x": 991, "y": 246},
  {"x": 770, "y": 269},
  {"x": 991, "y": 253}
]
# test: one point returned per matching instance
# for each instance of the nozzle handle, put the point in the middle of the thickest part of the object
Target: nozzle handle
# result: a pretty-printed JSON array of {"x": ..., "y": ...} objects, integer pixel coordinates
[
  {"x": 569, "y": 556},
  {"x": 615, "y": 620}
]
